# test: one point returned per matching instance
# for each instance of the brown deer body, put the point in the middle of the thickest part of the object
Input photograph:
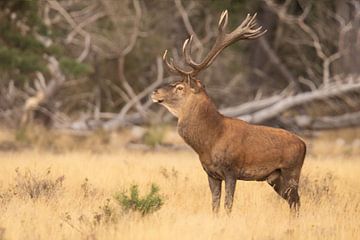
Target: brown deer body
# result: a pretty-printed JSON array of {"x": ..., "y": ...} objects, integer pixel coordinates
[{"x": 230, "y": 149}]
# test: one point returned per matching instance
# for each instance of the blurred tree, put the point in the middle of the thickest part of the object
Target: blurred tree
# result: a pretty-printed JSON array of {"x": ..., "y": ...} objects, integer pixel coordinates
[
  {"x": 92, "y": 63},
  {"x": 26, "y": 44}
]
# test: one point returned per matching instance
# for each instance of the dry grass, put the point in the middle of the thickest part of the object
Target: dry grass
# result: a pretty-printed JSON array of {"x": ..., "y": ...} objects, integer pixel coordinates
[{"x": 83, "y": 207}]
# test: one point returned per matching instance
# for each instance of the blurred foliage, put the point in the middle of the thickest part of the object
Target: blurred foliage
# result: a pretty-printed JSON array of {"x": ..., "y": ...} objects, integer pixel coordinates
[
  {"x": 96, "y": 84},
  {"x": 27, "y": 10},
  {"x": 21, "y": 50},
  {"x": 73, "y": 68},
  {"x": 154, "y": 136}
]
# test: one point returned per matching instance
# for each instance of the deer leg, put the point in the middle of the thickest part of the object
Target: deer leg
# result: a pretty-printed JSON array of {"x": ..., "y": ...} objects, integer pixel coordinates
[
  {"x": 290, "y": 188},
  {"x": 230, "y": 184},
  {"x": 275, "y": 180},
  {"x": 293, "y": 198},
  {"x": 286, "y": 185},
  {"x": 215, "y": 187},
  {"x": 290, "y": 193}
]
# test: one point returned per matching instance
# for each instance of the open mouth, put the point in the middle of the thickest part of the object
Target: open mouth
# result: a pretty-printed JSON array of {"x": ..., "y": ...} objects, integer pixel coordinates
[{"x": 157, "y": 100}]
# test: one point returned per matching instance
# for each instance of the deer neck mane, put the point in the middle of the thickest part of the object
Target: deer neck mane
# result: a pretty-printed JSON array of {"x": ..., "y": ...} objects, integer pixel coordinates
[{"x": 200, "y": 123}]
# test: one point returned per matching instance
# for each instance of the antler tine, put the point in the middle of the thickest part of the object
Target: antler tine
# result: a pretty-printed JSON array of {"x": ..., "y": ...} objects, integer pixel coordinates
[
  {"x": 223, "y": 21},
  {"x": 185, "y": 44},
  {"x": 245, "y": 21},
  {"x": 167, "y": 64},
  {"x": 252, "y": 20},
  {"x": 187, "y": 54},
  {"x": 172, "y": 67},
  {"x": 256, "y": 34},
  {"x": 246, "y": 30}
]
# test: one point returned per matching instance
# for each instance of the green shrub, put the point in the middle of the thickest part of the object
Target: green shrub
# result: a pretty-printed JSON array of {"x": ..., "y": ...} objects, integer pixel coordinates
[
  {"x": 145, "y": 205},
  {"x": 154, "y": 136},
  {"x": 21, "y": 135},
  {"x": 24, "y": 61},
  {"x": 73, "y": 68}
]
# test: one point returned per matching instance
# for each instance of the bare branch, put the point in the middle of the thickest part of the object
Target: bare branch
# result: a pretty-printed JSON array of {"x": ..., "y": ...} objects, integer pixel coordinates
[
  {"x": 86, "y": 50},
  {"x": 275, "y": 60},
  {"x": 188, "y": 26},
  {"x": 83, "y": 24},
  {"x": 44, "y": 92},
  {"x": 119, "y": 119},
  {"x": 135, "y": 33},
  {"x": 328, "y": 122},
  {"x": 250, "y": 107},
  {"x": 54, "y": 4},
  {"x": 299, "y": 99},
  {"x": 326, "y": 66},
  {"x": 281, "y": 11}
]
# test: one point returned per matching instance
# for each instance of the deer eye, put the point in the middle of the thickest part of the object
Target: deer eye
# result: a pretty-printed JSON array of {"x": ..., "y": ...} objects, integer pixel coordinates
[{"x": 179, "y": 87}]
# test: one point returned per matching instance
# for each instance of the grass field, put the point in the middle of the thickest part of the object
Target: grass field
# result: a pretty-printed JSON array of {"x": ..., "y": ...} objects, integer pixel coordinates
[{"x": 70, "y": 195}]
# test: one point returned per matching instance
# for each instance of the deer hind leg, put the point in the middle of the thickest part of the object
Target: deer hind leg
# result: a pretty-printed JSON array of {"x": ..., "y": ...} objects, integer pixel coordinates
[
  {"x": 290, "y": 188},
  {"x": 274, "y": 178},
  {"x": 285, "y": 182}
]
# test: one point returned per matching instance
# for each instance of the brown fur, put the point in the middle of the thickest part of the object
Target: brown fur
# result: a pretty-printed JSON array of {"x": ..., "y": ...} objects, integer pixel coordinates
[{"x": 230, "y": 149}]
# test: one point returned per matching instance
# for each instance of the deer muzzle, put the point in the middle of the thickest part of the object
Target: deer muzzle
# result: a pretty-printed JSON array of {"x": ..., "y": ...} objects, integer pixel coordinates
[{"x": 155, "y": 96}]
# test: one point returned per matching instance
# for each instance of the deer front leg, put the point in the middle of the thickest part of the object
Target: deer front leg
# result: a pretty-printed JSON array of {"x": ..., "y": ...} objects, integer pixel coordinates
[
  {"x": 215, "y": 187},
  {"x": 230, "y": 184}
]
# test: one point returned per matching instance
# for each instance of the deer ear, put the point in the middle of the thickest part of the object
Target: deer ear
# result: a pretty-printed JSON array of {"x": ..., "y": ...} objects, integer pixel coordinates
[
  {"x": 196, "y": 86},
  {"x": 198, "y": 83}
]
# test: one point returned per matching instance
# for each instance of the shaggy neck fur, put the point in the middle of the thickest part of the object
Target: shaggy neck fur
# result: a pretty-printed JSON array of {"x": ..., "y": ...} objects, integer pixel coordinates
[{"x": 200, "y": 123}]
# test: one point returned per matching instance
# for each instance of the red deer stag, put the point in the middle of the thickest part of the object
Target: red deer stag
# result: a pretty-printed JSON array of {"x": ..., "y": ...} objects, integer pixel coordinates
[{"x": 230, "y": 149}]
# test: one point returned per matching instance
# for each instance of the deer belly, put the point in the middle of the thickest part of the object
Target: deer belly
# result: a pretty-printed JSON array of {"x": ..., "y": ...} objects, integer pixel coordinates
[
  {"x": 254, "y": 174},
  {"x": 215, "y": 172}
]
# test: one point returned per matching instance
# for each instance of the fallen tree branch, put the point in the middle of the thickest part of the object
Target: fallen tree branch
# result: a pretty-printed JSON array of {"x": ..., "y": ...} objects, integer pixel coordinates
[
  {"x": 299, "y": 99},
  {"x": 328, "y": 122},
  {"x": 250, "y": 107},
  {"x": 44, "y": 91}
]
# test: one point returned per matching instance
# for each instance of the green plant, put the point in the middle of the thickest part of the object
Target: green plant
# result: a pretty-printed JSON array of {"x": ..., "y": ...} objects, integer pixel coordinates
[
  {"x": 21, "y": 135},
  {"x": 145, "y": 205},
  {"x": 73, "y": 68},
  {"x": 154, "y": 136}
]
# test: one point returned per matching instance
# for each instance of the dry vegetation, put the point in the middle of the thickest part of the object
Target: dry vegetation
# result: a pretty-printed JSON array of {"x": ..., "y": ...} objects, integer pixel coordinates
[{"x": 71, "y": 195}]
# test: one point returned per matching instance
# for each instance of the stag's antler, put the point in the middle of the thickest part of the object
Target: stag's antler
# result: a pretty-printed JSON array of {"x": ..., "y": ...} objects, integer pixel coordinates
[{"x": 246, "y": 30}]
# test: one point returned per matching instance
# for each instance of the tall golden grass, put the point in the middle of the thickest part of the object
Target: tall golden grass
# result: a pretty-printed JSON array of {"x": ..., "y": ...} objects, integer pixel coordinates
[
  {"x": 330, "y": 199},
  {"x": 73, "y": 195}
]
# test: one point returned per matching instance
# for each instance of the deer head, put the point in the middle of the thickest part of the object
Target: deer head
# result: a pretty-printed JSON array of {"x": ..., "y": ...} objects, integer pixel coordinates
[{"x": 175, "y": 96}]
